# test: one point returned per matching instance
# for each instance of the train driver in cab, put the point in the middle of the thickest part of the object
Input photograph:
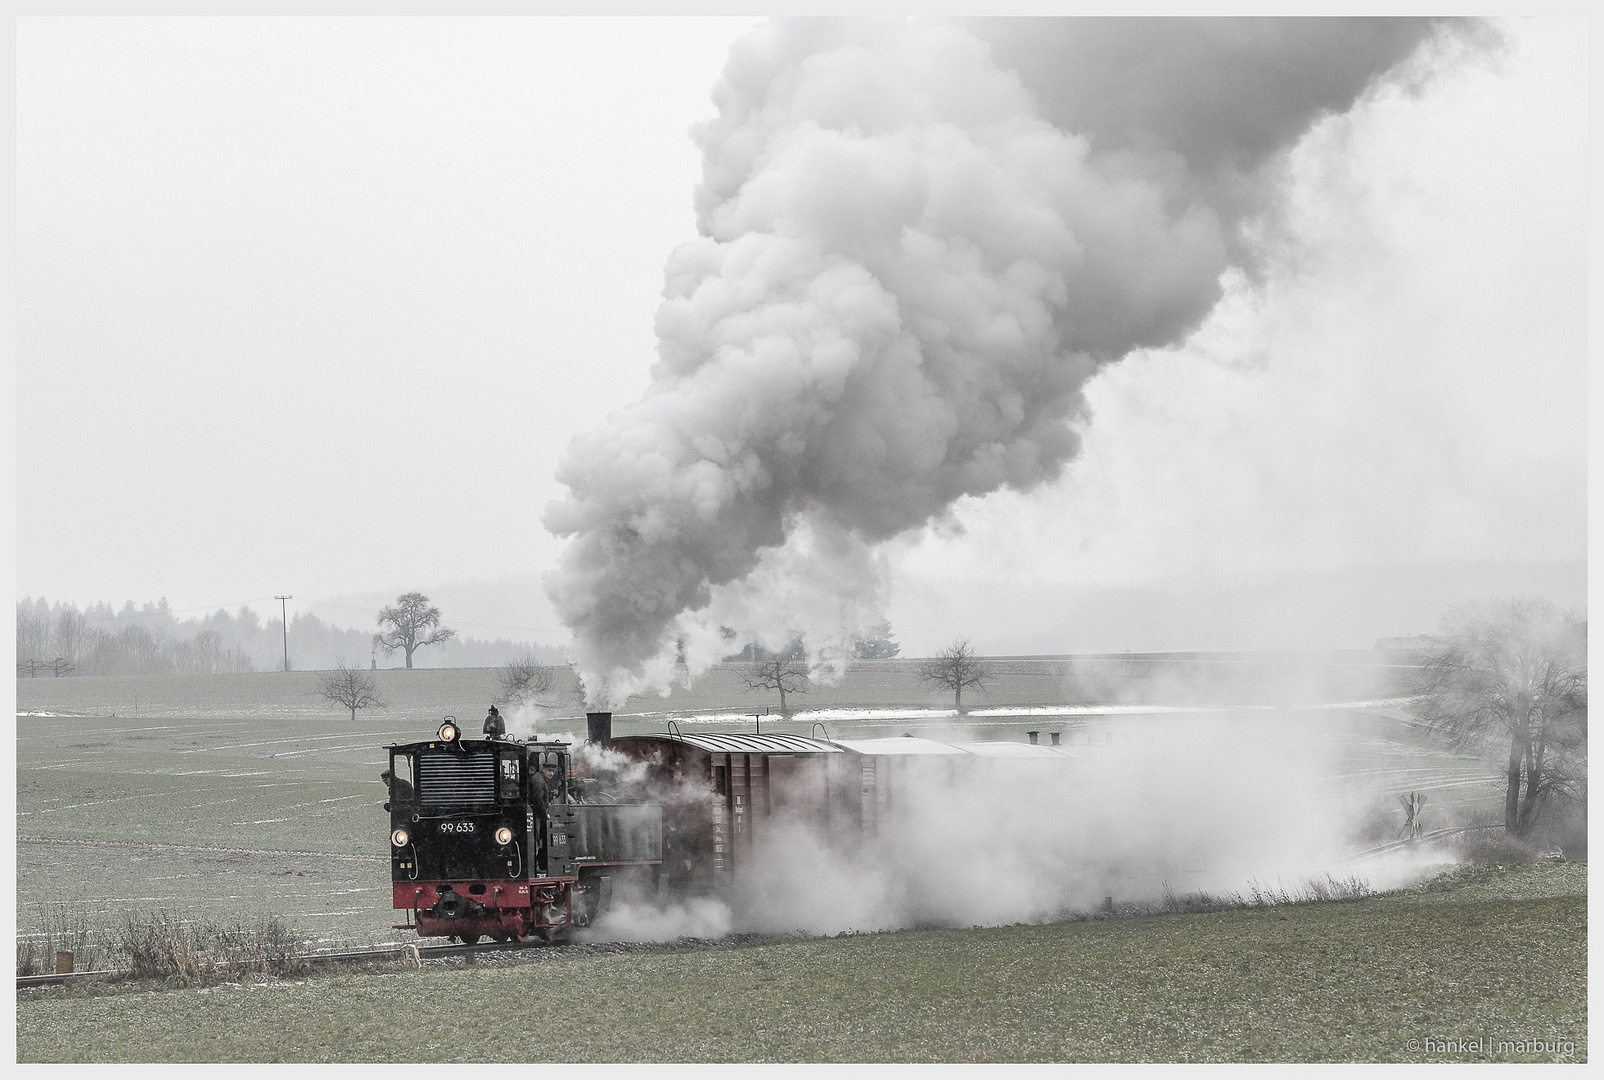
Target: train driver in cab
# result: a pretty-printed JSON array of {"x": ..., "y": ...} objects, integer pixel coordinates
[
  {"x": 400, "y": 790},
  {"x": 495, "y": 727},
  {"x": 541, "y": 781}
]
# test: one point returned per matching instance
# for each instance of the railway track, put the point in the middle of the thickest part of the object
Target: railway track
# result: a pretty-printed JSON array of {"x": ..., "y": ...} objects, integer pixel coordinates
[
  {"x": 425, "y": 952},
  {"x": 1400, "y": 845}
]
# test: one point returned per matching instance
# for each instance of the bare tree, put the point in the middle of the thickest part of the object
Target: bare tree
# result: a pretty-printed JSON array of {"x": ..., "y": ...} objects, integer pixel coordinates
[
  {"x": 412, "y": 623},
  {"x": 957, "y": 668},
  {"x": 69, "y": 636},
  {"x": 1509, "y": 678},
  {"x": 521, "y": 681},
  {"x": 143, "y": 651},
  {"x": 351, "y": 687},
  {"x": 33, "y": 633},
  {"x": 777, "y": 673}
]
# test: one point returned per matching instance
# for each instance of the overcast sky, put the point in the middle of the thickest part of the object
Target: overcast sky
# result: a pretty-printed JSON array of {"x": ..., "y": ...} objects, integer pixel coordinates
[{"x": 315, "y": 307}]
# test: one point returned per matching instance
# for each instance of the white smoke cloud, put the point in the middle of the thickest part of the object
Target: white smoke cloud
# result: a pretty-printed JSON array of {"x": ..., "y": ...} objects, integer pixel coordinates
[
  {"x": 523, "y": 721},
  {"x": 1212, "y": 804},
  {"x": 1403, "y": 384},
  {"x": 635, "y": 919},
  {"x": 905, "y": 276}
]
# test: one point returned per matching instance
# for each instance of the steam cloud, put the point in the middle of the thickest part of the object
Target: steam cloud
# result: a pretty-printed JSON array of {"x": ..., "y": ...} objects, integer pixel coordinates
[
  {"x": 1211, "y": 804},
  {"x": 918, "y": 241}
]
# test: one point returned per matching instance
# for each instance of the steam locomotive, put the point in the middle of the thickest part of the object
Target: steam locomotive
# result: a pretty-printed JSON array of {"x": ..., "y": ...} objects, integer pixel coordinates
[
  {"x": 515, "y": 840},
  {"x": 501, "y": 838}
]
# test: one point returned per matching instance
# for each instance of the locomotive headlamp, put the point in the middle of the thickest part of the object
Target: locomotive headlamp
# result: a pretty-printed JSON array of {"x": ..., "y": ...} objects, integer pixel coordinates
[
  {"x": 448, "y": 732},
  {"x": 504, "y": 836},
  {"x": 399, "y": 838}
]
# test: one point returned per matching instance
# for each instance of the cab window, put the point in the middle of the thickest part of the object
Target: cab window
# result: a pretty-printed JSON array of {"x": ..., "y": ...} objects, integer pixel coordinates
[
  {"x": 403, "y": 779},
  {"x": 509, "y": 776}
]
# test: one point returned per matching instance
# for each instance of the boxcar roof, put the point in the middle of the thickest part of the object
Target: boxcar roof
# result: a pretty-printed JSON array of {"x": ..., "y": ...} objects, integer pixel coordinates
[
  {"x": 1015, "y": 750},
  {"x": 903, "y": 745},
  {"x": 740, "y": 742}
]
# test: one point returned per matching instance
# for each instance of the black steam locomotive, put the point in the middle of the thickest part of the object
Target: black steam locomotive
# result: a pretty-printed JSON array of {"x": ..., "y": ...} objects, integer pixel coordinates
[{"x": 500, "y": 838}]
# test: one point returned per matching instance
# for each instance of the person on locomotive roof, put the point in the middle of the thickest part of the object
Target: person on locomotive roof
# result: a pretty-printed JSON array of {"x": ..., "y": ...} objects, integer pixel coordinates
[
  {"x": 400, "y": 790},
  {"x": 495, "y": 727}
]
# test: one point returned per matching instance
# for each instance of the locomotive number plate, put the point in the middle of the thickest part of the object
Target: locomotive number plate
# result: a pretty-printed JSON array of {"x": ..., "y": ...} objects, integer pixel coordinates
[{"x": 456, "y": 826}]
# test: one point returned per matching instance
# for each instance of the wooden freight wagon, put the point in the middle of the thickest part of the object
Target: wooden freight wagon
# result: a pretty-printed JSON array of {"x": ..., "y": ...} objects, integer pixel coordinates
[{"x": 724, "y": 793}]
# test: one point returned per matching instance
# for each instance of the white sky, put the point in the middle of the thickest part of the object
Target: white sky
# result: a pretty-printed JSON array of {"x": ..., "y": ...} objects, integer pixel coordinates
[{"x": 314, "y": 307}]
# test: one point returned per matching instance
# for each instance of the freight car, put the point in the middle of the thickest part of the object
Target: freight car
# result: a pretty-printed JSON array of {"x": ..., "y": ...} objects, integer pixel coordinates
[
  {"x": 501, "y": 838},
  {"x": 509, "y": 839},
  {"x": 725, "y": 795}
]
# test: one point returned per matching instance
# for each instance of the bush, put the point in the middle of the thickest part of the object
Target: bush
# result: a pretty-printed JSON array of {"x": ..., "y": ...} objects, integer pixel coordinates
[
  {"x": 160, "y": 945},
  {"x": 64, "y": 928},
  {"x": 1491, "y": 846},
  {"x": 1261, "y": 894}
]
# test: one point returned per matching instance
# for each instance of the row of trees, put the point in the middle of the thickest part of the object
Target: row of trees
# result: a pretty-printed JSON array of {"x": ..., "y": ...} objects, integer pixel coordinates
[
  {"x": 525, "y": 681},
  {"x": 521, "y": 681},
  {"x": 65, "y": 641},
  {"x": 877, "y": 644},
  {"x": 955, "y": 668},
  {"x": 60, "y": 639}
]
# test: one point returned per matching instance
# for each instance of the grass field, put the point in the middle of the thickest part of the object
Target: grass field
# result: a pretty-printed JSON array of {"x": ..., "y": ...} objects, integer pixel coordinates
[{"x": 1494, "y": 953}]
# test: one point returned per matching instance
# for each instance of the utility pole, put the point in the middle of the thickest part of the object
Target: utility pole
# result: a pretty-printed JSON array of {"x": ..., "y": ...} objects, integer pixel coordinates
[{"x": 283, "y": 609}]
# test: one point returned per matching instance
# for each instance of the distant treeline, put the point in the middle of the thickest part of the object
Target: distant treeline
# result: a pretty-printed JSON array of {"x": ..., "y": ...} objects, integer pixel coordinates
[{"x": 59, "y": 640}]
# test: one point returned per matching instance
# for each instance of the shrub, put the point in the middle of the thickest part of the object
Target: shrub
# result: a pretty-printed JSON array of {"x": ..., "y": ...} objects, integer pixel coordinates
[
  {"x": 62, "y": 927},
  {"x": 1324, "y": 887},
  {"x": 160, "y": 945}
]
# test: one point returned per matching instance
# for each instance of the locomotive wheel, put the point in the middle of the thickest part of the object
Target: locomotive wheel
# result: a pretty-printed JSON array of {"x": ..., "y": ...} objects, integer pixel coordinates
[{"x": 470, "y": 939}]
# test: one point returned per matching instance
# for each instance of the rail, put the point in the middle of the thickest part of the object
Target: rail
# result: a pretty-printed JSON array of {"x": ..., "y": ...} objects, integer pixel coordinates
[{"x": 1399, "y": 845}]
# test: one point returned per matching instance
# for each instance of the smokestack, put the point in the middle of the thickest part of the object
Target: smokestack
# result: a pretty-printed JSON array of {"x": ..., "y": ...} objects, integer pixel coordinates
[
  {"x": 599, "y": 729},
  {"x": 1035, "y": 737}
]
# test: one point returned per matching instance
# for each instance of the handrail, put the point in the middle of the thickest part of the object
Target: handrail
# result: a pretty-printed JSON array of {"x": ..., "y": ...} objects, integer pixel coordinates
[
  {"x": 821, "y": 727},
  {"x": 673, "y": 729}
]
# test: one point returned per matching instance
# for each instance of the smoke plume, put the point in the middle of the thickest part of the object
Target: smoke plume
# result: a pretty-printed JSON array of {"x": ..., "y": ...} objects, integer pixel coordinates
[{"x": 917, "y": 242}]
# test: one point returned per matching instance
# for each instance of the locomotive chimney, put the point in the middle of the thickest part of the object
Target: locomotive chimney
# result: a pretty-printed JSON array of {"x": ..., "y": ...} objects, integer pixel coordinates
[{"x": 599, "y": 729}]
